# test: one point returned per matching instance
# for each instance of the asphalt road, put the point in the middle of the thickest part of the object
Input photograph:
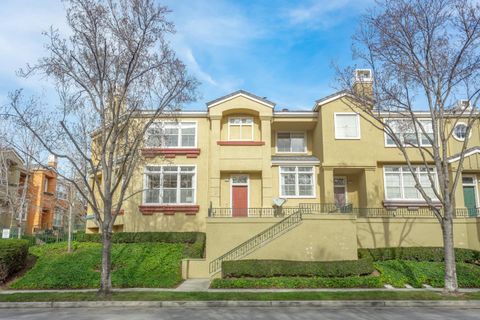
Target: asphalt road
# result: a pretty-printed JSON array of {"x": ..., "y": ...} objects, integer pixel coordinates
[{"x": 240, "y": 313}]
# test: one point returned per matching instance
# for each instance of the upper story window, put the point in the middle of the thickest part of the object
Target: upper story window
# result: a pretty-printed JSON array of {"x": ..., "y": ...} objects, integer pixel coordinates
[
  {"x": 405, "y": 131},
  {"x": 240, "y": 128},
  {"x": 291, "y": 142},
  {"x": 171, "y": 135},
  {"x": 460, "y": 131},
  {"x": 62, "y": 191},
  {"x": 169, "y": 185},
  {"x": 347, "y": 125},
  {"x": 400, "y": 183},
  {"x": 297, "y": 182},
  {"x": 46, "y": 183}
]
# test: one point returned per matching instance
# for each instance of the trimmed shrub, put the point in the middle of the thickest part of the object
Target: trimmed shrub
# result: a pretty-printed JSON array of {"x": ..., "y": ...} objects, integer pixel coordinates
[
  {"x": 432, "y": 254},
  {"x": 137, "y": 237},
  {"x": 194, "y": 241},
  {"x": 297, "y": 283},
  {"x": 13, "y": 256},
  {"x": 278, "y": 268}
]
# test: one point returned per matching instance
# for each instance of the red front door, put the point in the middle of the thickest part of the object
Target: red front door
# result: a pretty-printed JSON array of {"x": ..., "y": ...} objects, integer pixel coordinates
[{"x": 239, "y": 201}]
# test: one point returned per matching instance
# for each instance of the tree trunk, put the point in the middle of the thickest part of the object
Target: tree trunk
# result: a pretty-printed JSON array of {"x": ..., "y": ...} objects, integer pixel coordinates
[
  {"x": 69, "y": 242},
  {"x": 106, "y": 279},
  {"x": 451, "y": 285}
]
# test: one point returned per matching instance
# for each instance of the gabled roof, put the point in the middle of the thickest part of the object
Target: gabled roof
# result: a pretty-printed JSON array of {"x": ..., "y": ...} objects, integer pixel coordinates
[
  {"x": 13, "y": 155},
  {"x": 469, "y": 152},
  {"x": 332, "y": 97},
  {"x": 243, "y": 93}
]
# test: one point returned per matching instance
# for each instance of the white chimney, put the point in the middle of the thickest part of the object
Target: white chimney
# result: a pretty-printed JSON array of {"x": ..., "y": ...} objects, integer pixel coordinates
[{"x": 52, "y": 161}]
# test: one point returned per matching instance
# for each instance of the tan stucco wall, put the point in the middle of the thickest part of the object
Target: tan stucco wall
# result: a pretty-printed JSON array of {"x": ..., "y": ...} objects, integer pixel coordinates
[
  {"x": 328, "y": 237},
  {"x": 414, "y": 232}
]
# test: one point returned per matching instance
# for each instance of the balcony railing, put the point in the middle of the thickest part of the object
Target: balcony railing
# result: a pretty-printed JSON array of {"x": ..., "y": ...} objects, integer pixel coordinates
[
  {"x": 251, "y": 212},
  {"x": 325, "y": 208},
  {"x": 331, "y": 208},
  {"x": 407, "y": 213}
]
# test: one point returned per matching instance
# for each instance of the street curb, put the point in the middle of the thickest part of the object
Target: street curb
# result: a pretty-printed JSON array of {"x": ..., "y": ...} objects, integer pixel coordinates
[{"x": 472, "y": 304}]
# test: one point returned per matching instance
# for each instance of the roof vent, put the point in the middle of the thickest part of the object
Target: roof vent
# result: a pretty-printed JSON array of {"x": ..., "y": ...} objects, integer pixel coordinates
[
  {"x": 284, "y": 110},
  {"x": 363, "y": 75}
]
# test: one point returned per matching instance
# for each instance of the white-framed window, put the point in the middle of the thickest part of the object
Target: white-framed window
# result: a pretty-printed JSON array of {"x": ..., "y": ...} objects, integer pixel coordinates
[
  {"x": 347, "y": 125},
  {"x": 169, "y": 184},
  {"x": 240, "y": 128},
  {"x": 291, "y": 142},
  {"x": 297, "y": 182},
  {"x": 400, "y": 183},
  {"x": 58, "y": 217},
  {"x": 62, "y": 191},
  {"x": 404, "y": 130},
  {"x": 460, "y": 131},
  {"x": 45, "y": 184},
  {"x": 170, "y": 134}
]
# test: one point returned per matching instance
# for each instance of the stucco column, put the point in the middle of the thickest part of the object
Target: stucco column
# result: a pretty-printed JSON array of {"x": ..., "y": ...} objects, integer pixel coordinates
[
  {"x": 459, "y": 197},
  {"x": 267, "y": 192},
  {"x": 214, "y": 161},
  {"x": 327, "y": 195},
  {"x": 370, "y": 195}
]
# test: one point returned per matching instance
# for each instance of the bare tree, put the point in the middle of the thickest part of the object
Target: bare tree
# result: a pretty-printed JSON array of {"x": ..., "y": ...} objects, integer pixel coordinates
[
  {"x": 17, "y": 139},
  {"x": 115, "y": 74},
  {"x": 421, "y": 53}
]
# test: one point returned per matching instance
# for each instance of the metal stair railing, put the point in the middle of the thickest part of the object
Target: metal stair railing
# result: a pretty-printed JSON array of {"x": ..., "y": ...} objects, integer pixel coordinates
[{"x": 253, "y": 243}]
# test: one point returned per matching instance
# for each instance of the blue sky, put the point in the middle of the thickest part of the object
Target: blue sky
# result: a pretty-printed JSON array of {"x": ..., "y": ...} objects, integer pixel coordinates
[{"x": 280, "y": 49}]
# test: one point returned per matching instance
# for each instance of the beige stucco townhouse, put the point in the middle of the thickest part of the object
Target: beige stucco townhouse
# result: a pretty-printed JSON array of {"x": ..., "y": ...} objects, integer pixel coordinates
[{"x": 240, "y": 170}]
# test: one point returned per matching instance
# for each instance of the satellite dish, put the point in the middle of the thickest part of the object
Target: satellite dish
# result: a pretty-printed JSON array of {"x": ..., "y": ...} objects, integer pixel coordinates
[{"x": 278, "y": 202}]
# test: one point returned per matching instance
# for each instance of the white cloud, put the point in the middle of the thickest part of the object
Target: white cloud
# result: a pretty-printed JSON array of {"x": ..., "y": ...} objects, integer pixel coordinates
[{"x": 324, "y": 14}]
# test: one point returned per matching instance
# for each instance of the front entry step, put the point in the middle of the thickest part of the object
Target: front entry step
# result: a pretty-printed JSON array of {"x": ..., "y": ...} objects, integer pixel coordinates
[{"x": 194, "y": 285}]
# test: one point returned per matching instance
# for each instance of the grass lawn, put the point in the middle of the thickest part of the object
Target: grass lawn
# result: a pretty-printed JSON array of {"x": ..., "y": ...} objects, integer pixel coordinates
[
  {"x": 237, "y": 296},
  {"x": 133, "y": 265},
  {"x": 394, "y": 272}
]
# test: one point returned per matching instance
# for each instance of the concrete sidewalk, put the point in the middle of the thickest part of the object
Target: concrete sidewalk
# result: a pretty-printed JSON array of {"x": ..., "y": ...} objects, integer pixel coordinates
[{"x": 202, "y": 285}]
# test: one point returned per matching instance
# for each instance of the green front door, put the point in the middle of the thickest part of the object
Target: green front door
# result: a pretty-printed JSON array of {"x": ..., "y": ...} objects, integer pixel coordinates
[{"x": 469, "y": 199}]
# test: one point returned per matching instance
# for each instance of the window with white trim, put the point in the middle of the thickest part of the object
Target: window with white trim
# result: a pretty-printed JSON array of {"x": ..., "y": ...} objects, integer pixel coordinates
[
  {"x": 169, "y": 185},
  {"x": 58, "y": 217},
  {"x": 293, "y": 142},
  {"x": 297, "y": 182},
  {"x": 171, "y": 135},
  {"x": 404, "y": 130},
  {"x": 240, "y": 128},
  {"x": 62, "y": 191},
  {"x": 460, "y": 131},
  {"x": 400, "y": 183},
  {"x": 347, "y": 125}
]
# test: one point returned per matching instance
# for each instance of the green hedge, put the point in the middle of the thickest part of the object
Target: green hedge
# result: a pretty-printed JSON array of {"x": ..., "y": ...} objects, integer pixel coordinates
[
  {"x": 194, "y": 241},
  {"x": 136, "y": 237},
  {"x": 433, "y": 254},
  {"x": 13, "y": 256},
  {"x": 297, "y": 283},
  {"x": 277, "y": 268}
]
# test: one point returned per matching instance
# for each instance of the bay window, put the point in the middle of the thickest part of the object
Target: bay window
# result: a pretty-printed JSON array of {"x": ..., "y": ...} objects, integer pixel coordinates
[
  {"x": 171, "y": 135},
  {"x": 297, "y": 182},
  {"x": 400, "y": 183},
  {"x": 291, "y": 142},
  {"x": 169, "y": 185}
]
